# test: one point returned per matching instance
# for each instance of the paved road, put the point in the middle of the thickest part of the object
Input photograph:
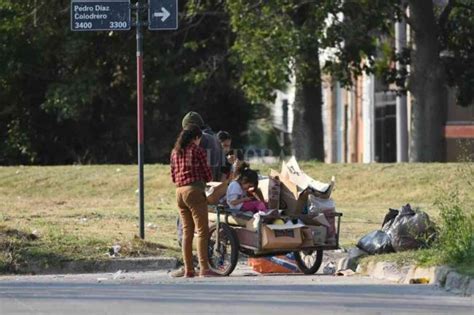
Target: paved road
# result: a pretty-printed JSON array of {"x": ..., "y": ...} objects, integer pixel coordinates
[{"x": 243, "y": 293}]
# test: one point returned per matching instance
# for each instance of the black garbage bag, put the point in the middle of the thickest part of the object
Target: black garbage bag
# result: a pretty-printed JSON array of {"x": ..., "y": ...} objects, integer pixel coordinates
[
  {"x": 389, "y": 218},
  {"x": 411, "y": 230},
  {"x": 376, "y": 242}
]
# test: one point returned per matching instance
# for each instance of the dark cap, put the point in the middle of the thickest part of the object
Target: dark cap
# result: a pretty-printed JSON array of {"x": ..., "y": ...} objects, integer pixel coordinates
[{"x": 192, "y": 118}]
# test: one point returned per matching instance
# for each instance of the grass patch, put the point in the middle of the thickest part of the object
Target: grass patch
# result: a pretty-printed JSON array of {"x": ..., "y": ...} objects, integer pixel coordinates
[
  {"x": 79, "y": 212},
  {"x": 454, "y": 245}
]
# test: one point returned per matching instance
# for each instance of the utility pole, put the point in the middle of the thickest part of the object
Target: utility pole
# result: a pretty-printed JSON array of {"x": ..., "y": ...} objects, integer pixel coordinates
[{"x": 141, "y": 145}]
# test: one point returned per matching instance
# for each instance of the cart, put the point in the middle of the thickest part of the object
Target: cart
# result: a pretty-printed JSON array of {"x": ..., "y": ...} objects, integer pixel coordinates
[{"x": 234, "y": 237}]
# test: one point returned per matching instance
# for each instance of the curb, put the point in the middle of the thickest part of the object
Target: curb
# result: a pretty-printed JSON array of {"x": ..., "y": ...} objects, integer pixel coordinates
[
  {"x": 441, "y": 276},
  {"x": 98, "y": 266}
]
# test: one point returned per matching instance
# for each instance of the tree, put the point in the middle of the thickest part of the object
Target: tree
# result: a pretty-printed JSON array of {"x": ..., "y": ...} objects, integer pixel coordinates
[
  {"x": 427, "y": 84},
  {"x": 275, "y": 41},
  {"x": 69, "y": 97},
  {"x": 437, "y": 32}
]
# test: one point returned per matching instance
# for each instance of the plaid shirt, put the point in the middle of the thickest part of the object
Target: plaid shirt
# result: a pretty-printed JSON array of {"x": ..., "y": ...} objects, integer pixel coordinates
[{"x": 190, "y": 167}]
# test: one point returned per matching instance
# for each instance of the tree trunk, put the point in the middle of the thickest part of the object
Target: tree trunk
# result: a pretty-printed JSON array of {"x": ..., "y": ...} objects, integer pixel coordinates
[
  {"x": 427, "y": 87},
  {"x": 307, "y": 136}
]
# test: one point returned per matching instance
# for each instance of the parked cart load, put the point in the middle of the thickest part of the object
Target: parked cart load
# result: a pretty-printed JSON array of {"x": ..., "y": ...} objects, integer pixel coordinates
[{"x": 289, "y": 228}]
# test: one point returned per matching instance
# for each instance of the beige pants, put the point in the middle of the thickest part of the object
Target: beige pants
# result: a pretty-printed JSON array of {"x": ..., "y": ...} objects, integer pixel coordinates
[{"x": 192, "y": 205}]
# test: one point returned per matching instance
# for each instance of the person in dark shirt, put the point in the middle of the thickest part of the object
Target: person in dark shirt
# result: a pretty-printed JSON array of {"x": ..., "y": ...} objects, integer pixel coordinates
[
  {"x": 209, "y": 143},
  {"x": 225, "y": 140}
]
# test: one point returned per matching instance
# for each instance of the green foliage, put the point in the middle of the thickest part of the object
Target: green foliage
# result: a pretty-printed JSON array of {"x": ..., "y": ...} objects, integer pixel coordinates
[
  {"x": 456, "y": 239},
  {"x": 362, "y": 36},
  {"x": 69, "y": 97},
  {"x": 359, "y": 32},
  {"x": 457, "y": 43},
  {"x": 264, "y": 45},
  {"x": 271, "y": 39}
]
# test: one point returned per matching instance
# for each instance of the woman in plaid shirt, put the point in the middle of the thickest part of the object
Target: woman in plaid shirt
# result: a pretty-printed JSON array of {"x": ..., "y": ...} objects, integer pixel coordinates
[{"x": 190, "y": 172}]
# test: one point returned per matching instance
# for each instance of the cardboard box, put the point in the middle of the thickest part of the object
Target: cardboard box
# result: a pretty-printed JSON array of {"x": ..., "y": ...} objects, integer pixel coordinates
[
  {"x": 274, "y": 191},
  {"x": 292, "y": 198},
  {"x": 281, "y": 238},
  {"x": 270, "y": 188},
  {"x": 288, "y": 193},
  {"x": 216, "y": 190},
  {"x": 263, "y": 185},
  {"x": 246, "y": 237}
]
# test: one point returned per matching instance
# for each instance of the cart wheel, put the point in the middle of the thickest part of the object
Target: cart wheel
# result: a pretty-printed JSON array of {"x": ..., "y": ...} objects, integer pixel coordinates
[
  {"x": 309, "y": 261},
  {"x": 223, "y": 259}
]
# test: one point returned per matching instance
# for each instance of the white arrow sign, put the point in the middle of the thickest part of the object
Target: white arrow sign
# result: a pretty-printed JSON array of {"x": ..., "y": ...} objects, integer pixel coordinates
[{"x": 164, "y": 14}]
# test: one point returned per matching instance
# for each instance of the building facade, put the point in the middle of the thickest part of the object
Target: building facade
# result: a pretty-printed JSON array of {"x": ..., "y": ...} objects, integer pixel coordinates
[{"x": 360, "y": 122}]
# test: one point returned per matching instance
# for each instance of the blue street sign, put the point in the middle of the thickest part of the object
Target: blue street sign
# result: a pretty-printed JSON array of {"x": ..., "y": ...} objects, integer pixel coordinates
[
  {"x": 100, "y": 15},
  {"x": 162, "y": 15}
]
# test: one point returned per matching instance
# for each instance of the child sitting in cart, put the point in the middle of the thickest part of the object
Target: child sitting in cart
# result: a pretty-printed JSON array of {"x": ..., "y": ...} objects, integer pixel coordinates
[{"x": 243, "y": 194}]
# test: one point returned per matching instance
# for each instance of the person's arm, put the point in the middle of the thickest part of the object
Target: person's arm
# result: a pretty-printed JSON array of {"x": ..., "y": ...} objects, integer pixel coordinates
[
  {"x": 173, "y": 168},
  {"x": 257, "y": 193},
  {"x": 224, "y": 177},
  {"x": 234, "y": 195},
  {"x": 239, "y": 201}
]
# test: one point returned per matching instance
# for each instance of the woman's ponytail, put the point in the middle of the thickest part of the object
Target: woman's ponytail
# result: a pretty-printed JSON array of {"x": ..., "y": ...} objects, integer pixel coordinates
[{"x": 185, "y": 138}]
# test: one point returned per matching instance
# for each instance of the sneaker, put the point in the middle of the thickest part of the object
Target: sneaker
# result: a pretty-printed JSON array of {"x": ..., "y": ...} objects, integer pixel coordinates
[
  {"x": 209, "y": 273},
  {"x": 179, "y": 273}
]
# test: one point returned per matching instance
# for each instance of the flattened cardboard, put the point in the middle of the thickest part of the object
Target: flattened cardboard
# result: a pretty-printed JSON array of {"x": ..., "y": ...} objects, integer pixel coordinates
[
  {"x": 220, "y": 190},
  {"x": 288, "y": 192},
  {"x": 264, "y": 186},
  {"x": 291, "y": 198},
  {"x": 270, "y": 188},
  {"x": 292, "y": 172}
]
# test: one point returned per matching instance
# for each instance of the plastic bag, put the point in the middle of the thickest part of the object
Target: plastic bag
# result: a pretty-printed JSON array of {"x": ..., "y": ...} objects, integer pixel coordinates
[
  {"x": 274, "y": 264},
  {"x": 317, "y": 205},
  {"x": 351, "y": 261},
  {"x": 326, "y": 207},
  {"x": 411, "y": 230},
  {"x": 376, "y": 242},
  {"x": 389, "y": 218}
]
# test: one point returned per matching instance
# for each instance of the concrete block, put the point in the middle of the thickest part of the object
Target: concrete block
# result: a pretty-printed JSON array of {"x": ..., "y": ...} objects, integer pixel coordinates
[
  {"x": 470, "y": 288},
  {"x": 457, "y": 283},
  {"x": 387, "y": 271},
  {"x": 441, "y": 273},
  {"x": 421, "y": 272}
]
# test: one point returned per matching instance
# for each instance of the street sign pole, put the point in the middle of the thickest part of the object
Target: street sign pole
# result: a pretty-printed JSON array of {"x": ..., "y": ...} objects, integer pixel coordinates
[
  {"x": 100, "y": 15},
  {"x": 115, "y": 15},
  {"x": 140, "y": 130},
  {"x": 162, "y": 15}
]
